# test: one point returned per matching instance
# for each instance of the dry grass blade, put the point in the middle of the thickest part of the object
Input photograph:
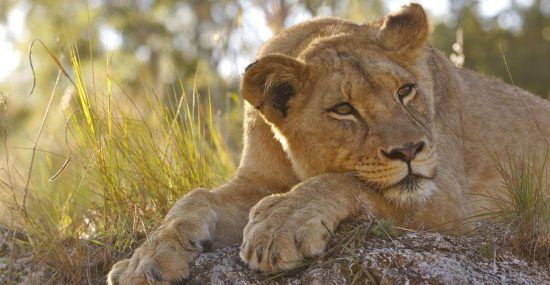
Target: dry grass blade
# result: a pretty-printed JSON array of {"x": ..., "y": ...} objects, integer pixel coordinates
[
  {"x": 44, "y": 118},
  {"x": 63, "y": 166},
  {"x": 52, "y": 56}
]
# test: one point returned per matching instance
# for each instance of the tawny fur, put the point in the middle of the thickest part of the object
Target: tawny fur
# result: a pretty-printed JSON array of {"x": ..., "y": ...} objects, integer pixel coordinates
[{"x": 305, "y": 169}]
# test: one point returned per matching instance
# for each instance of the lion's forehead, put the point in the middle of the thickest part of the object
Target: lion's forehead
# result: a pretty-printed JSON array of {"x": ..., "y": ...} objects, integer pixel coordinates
[
  {"x": 370, "y": 70},
  {"x": 367, "y": 83}
]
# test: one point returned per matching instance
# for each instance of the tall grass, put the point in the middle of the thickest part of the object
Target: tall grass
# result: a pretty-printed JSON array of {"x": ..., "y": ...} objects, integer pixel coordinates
[
  {"x": 521, "y": 206},
  {"x": 125, "y": 163}
]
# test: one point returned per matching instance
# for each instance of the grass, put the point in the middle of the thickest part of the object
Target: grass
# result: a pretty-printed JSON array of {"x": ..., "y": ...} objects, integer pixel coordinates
[
  {"x": 384, "y": 229},
  {"x": 118, "y": 169},
  {"x": 520, "y": 211}
]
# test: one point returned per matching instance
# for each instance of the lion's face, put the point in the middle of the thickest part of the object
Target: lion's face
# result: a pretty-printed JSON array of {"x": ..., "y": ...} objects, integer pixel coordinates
[{"x": 351, "y": 104}]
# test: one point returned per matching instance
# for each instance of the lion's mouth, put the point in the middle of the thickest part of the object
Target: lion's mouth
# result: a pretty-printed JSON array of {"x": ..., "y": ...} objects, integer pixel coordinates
[
  {"x": 413, "y": 189},
  {"x": 410, "y": 183}
]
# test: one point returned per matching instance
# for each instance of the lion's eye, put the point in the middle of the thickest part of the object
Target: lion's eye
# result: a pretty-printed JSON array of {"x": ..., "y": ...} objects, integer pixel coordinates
[
  {"x": 406, "y": 92},
  {"x": 343, "y": 109}
]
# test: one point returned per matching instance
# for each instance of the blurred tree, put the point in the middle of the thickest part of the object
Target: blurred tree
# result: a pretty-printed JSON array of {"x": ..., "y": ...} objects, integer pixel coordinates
[
  {"x": 518, "y": 31},
  {"x": 153, "y": 43}
]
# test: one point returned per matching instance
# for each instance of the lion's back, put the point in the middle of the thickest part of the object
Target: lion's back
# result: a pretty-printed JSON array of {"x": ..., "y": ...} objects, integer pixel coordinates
[
  {"x": 505, "y": 112},
  {"x": 499, "y": 120}
]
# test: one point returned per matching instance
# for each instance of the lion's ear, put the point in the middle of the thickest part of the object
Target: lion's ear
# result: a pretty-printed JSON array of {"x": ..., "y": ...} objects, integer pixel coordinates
[
  {"x": 271, "y": 82},
  {"x": 405, "y": 32}
]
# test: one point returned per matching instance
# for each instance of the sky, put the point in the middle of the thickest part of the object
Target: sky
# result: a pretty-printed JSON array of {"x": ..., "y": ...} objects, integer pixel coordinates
[{"x": 14, "y": 30}]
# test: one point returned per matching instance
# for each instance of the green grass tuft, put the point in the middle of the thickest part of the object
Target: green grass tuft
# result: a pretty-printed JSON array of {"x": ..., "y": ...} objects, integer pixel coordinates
[
  {"x": 384, "y": 229},
  {"x": 125, "y": 160},
  {"x": 521, "y": 212}
]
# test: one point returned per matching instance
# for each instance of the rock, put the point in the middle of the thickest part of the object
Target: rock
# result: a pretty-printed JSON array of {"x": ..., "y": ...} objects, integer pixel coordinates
[
  {"x": 412, "y": 258},
  {"x": 354, "y": 256}
]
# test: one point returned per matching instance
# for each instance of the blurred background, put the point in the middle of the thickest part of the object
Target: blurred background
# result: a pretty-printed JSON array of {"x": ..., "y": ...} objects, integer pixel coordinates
[
  {"x": 162, "y": 42},
  {"x": 147, "y": 107}
]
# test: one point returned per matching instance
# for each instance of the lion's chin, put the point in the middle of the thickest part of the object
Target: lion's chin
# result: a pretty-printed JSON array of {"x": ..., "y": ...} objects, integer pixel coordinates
[{"x": 409, "y": 191}]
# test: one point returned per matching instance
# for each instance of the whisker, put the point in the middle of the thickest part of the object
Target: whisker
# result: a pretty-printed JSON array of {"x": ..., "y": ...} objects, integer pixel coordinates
[
  {"x": 393, "y": 173},
  {"x": 378, "y": 170}
]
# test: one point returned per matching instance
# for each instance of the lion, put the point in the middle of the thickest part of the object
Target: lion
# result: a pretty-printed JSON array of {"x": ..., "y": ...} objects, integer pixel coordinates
[{"x": 340, "y": 118}]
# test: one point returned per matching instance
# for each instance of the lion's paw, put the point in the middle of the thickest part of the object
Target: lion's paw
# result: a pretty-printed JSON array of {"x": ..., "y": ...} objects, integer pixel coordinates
[
  {"x": 281, "y": 233},
  {"x": 163, "y": 260}
]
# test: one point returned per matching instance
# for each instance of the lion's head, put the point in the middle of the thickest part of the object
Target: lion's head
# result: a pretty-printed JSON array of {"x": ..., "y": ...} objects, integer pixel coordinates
[{"x": 359, "y": 102}]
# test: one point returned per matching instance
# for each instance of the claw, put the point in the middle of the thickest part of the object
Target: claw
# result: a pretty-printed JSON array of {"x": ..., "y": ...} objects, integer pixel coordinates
[
  {"x": 114, "y": 280},
  {"x": 179, "y": 281},
  {"x": 206, "y": 245},
  {"x": 259, "y": 253},
  {"x": 275, "y": 256},
  {"x": 154, "y": 275},
  {"x": 297, "y": 244},
  {"x": 193, "y": 243}
]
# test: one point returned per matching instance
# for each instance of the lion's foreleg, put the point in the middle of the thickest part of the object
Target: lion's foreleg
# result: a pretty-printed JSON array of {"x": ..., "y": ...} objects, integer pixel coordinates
[
  {"x": 283, "y": 229},
  {"x": 200, "y": 220}
]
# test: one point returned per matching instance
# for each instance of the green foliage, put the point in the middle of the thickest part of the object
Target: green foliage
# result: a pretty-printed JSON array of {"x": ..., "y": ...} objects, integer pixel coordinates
[
  {"x": 526, "y": 49},
  {"x": 126, "y": 163},
  {"x": 488, "y": 247},
  {"x": 521, "y": 212},
  {"x": 384, "y": 229}
]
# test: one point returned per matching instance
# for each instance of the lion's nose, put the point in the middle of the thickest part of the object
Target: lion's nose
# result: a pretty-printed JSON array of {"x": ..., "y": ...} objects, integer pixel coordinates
[{"x": 406, "y": 153}]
